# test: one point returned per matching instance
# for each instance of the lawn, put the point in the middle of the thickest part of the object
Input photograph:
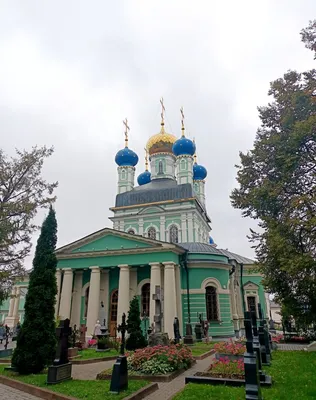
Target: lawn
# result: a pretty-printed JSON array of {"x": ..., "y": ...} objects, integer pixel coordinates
[
  {"x": 91, "y": 353},
  {"x": 293, "y": 374},
  {"x": 200, "y": 348},
  {"x": 87, "y": 390}
]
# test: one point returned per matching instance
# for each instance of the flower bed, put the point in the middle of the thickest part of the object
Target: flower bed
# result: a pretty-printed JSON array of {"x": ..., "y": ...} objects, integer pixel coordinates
[
  {"x": 159, "y": 360},
  {"x": 225, "y": 368},
  {"x": 232, "y": 349}
]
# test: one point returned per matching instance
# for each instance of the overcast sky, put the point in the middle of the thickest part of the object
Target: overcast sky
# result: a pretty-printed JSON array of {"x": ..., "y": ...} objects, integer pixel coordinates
[{"x": 71, "y": 71}]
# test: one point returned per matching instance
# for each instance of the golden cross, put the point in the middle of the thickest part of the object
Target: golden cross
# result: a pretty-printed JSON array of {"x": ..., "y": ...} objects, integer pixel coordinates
[
  {"x": 126, "y": 132},
  {"x": 162, "y": 111},
  {"x": 182, "y": 120}
]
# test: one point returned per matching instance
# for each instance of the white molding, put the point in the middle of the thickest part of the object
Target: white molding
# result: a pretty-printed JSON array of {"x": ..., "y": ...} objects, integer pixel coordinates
[
  {"x": 141, "y": 284},
  {"x": 211, "y": 282},
  {"x": 84, "y": 289},
  {"x": 202, "y": 291}
]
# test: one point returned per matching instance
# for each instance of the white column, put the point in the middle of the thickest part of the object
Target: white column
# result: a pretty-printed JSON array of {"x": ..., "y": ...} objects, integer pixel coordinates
[
  {"x": 141, "y": 226},
  {"x": 170, "y": 300},
  {"x": 104, "y": 292},
  {"x": 76, "y": 299},
  {"x": 155, "y": 280},
  {"x": 12, "y": 300},
  {"x": 183, "y": 229},
  {"x": 133, "y": 283},
  {"x": 123, "y": 292},
  {"x": 179, "y": 297},
  {"x": 190, "y": 227},
  {"x": 162, "y": 228},
  {"x": 94, "y": 300},
  {"x": 16, "y": 303},
  {"x": 66, "y": 292},
  {"x": 58, "y": 280}
]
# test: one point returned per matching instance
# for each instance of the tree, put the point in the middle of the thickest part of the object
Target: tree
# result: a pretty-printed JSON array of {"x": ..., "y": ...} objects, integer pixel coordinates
[
  {"x": 36, "y": 341},
  {"x": 136, "y": 339},
  {"x": 22, "y": 192},
  {"x": 277, "y": 187}
]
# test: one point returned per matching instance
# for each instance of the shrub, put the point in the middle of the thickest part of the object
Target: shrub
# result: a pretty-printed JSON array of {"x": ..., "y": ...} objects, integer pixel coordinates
[
  {"x": 224, "y": 368},
  {"x": 163, "y": 359},
  {"x": 136, "y": 339},
  {"x": 230, "y": 348}
]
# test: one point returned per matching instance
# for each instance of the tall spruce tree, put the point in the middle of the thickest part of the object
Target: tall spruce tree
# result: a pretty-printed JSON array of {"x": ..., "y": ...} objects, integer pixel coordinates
[
  {"x": 36, "y": 341},
  {"x": 277, "y": 181},
  {"x": 136, "y": 339}
]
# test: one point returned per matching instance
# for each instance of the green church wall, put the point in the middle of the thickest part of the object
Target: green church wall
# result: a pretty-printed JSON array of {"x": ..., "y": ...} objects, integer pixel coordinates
[
  {"x": 258, "y": 281},
  {"x": 86, "y": 276},
  {"x": 143, "y": 273},
  {"x": 113, "y": 261},
  {"x": 198, "y": 275},
  {"x": 113, "y": 279},
  {"x": 208, "y": 257},
  {"x": 130, "y": 225}
]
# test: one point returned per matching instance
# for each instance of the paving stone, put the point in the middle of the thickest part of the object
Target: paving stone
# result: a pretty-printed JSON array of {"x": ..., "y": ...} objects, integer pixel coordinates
[{"x": 8, "y": 393}]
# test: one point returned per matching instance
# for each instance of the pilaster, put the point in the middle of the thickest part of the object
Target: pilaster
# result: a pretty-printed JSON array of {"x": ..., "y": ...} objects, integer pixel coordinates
[
  {"x": 190, "y": 227},
  {"x": 184, "y": 236},
  {"x": 162, "y": 228}
]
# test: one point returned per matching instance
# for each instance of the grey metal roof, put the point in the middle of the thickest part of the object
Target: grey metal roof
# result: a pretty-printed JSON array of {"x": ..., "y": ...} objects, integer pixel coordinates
[
  {"x": 155, "y": 191},
  {"x": 237, "y": 257},
  {"x": 205, "y": 248}
]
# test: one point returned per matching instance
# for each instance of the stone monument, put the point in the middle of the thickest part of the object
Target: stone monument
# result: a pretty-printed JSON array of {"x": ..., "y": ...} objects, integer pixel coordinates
[
  {"x": 61, "y": 368},
  {"x": 83, "y": 330},
  {"x": 176, "y": 330},
  {"x": 198, "y": 330},
  {"x": 264, "y": 339},
  {"x": 158, "y": 337},
  {"x": 119, "y": 380},
  {"x": 252, "y": 381}
]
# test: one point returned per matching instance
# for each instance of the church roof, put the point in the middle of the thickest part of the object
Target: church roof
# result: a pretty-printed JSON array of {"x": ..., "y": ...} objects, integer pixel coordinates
[
  {"x": 155, "y": 191},
  {"x": 205, "y": 248}
]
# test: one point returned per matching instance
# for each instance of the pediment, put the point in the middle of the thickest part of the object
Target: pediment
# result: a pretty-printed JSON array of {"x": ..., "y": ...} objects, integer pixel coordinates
[
  {"x": 250, "y": 286},
  {"x": 108, "y": 240},
  {"x": 152, "y": 210}
]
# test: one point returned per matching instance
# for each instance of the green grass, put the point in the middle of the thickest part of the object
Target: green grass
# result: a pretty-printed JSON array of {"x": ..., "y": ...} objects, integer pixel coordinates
[
  {"x": 91, "y": 353},
  {"x": 87, "y": 390},
  {"x": 293, "y": 374},
  {"x": 201, "y": 348}
]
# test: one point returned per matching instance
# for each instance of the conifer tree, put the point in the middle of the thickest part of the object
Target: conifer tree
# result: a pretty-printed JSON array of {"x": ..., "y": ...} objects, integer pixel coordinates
[
  {"x": 36, "y": 341},
  {"x": 136, "y": 339}
]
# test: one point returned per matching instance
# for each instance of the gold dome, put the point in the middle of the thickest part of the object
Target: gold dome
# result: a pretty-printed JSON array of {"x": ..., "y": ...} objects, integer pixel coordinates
[{"x": 162, "y": 142}]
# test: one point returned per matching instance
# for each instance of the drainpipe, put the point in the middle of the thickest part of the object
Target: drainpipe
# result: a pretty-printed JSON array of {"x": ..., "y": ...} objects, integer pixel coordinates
[{"x": 188, "y": 339}]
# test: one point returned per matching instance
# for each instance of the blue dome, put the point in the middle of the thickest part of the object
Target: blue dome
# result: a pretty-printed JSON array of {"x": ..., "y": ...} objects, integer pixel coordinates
[
  {"x": 126, "y": 158},
  {"x": 211, "y": 240},
  {"x": 143, "y": 178},
  {"x": 183, "y": 146},
  {"x": 199, "y": 172}
]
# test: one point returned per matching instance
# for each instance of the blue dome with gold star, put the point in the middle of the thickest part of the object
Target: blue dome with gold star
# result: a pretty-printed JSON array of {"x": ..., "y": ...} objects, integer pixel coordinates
[
  {"x": 183, "y": 146},
  {"x": 126, "y": 158},
  {"x": 199, "y": 172},
  {"x": 143, "y": 178}
]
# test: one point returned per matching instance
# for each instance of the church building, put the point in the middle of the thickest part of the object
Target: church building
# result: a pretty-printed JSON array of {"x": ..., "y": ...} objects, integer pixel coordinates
[{"x": 160, "y": 240}]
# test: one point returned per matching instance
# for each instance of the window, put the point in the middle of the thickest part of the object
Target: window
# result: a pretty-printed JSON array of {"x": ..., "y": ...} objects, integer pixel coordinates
[
  {"x": 160, "y": 168},
  {"x": 123, "y": 175},
  {"x": 131, "y": 231},
  {"x": 211, "y": 303},
  {"x": 152, "y": 233},
  {"x": 251, "y": 303},
  {"x": 174, "y": 234},
  {"x": 182, "y": 165},
  {"x": 145, "y": 299}
]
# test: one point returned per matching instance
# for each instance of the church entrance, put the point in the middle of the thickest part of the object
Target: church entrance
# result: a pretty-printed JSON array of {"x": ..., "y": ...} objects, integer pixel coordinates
[{"x": 113, "y": 312}]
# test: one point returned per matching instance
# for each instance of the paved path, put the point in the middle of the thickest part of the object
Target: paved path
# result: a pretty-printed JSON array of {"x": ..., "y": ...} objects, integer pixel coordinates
[
  {"x": 8, "y": 393},
  {"x": 291, "y": 347},
  {"x": 90, "y": 371}
]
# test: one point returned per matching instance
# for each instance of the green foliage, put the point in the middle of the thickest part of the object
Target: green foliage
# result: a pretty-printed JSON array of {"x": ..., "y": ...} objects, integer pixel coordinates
[
  {"x": 277, "y": 187},
  {"x": 136, "y": 339},
  {"x": 22, "y": 192},
  {"x": 36, "y": 341}
]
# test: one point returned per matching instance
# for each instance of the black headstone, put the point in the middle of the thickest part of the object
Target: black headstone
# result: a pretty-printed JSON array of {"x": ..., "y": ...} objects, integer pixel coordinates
[
  {"x": 119, "y": 380},
  {"x": 176, "y": 330},
  {"x": 61, "y": 368}
]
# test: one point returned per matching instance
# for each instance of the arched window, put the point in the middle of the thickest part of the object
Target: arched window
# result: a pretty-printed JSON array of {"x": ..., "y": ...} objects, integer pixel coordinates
[
  {"x": 145, "y": 299},
  {"x": 123, "y": 174},
  {"x": 182, "y": 165},
  {"x": 152, "y": 233},
  {"x": 160, "y": 168},
  {"x": 174, "y": 234},
  {"x": 131, "y": 231},
  {"x": 211, "y": 303}
]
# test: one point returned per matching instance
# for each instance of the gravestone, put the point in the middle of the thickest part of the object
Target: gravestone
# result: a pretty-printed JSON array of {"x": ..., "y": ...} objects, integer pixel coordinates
[
  {"x": 158, "y": 337},
  {"x": 252, "y": 380},
  {"x": 119, "y": 380},
  {"x": 61, "y": 368},
  {"x": 264, "y": 338},
  {"x": 199, "y": 329},
  {"x": 257, "y": 349},
  {"x": 83, "y": 330},
  {"x": 176, "y": 330}
]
